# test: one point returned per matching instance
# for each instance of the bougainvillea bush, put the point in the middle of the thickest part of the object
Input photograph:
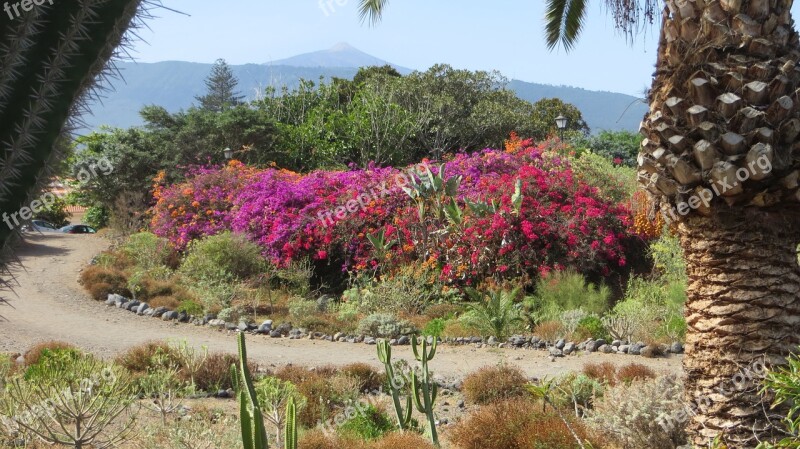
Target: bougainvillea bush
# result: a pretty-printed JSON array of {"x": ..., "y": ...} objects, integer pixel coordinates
[{"x": 501, "y": 214}]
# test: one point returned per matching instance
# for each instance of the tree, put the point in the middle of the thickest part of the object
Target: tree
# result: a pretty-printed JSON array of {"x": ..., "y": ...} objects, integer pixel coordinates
[
  {"x": 720, "y": 159},
  {"x": 221, "y": 91},
  {"x": 545, "y": 112}
]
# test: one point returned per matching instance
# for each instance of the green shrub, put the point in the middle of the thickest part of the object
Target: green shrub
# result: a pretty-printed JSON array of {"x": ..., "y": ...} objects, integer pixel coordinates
[
  {"x": 632, "y": 413},
  {"x": 296, "y": 278},
  {"x": 385, "y": 326},
  {"x": 223, "y": 258},
  {"x": 615, "y": 182},
  {"x": 435, "y": 327},
  {"x": 55, "y": 212},
  {"x": 300, "y": 308},
  {"x": 273, "y": 396},
  {"x": 96, "y": 217},
  {"x": 591, "y": 327},
  {"x": 53, "y": 364},
  {"x": 650, "y": 309},
  {"x": 230, "y": 315},
  {"x": 566, "y": 290},
  {"x": 369, "y": 423},
  {"x": 190, "y": 308},
  {"x": 576, "y": 391},
  {"x": 410, "y": 290},
  {"x": 148, "y": 251},
  {"x": 667, "y": 257},
  {"x": 494, "y": 314}
]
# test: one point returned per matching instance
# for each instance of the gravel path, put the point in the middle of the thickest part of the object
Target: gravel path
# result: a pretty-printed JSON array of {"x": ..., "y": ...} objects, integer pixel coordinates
[{"x": 48, "y": 304}]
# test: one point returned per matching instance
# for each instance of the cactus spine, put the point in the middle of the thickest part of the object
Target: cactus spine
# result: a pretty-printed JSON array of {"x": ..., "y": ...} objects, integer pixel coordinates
[
  {"x": 385, "y": 356},
  {"x": 424, "y": 390},
  {"x": 254, "y": 434},
  {"x": 290, "y": 428}
]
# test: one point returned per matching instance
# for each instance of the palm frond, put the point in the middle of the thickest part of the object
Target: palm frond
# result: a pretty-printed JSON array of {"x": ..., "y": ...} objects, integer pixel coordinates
[
  {"x": 372, "y": 10},
  {"x": 564, "y": 21}
]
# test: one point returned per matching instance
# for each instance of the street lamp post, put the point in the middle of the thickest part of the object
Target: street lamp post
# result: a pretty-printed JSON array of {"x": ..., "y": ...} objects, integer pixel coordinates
[
  {"x": 561, "y": 123},
  {"x": 228, "y": 153}
]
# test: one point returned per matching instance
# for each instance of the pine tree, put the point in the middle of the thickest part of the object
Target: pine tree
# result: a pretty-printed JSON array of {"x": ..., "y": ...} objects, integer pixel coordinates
[{"x": 221, "y": 91}]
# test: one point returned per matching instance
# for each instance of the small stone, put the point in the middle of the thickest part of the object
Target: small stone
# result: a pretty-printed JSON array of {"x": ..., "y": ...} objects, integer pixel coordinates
[
  {"x": 676, "y": 348},
  {"x": 569, "y": 348},
  {"x": 651, "y": 352},
  {"x": 393, "y": 342},
  {"x": 142, "y": 308},
  {"x": 491, "y": 341},
  {"x": 370, "y": 341},
  {"x": 635, "y": 349},
  {"x": 216, "y": 323},
  {"x": 169, "y": 316},
  {"x": 555, "y": 352},
  {"x": 460, "y": 403},
  {"x": 624, "y": 349},
  {"x": 403, "y": 340},
  {"x": 266, "y": 325},
  {"x": 159, "y": 312},
  {"x": 275, "y": 334},
  {"x": 183, "y": 317},
  {"x": 501, "y": 345},
  {"x": 606, "y": 349},
  {"x": 476, "y": 340},
  {"x": 337, "y": 336},
  {"x": 616, "y": 343},
  {"x": 560, "y": 344},
  {"x": 242, "y": 326}
]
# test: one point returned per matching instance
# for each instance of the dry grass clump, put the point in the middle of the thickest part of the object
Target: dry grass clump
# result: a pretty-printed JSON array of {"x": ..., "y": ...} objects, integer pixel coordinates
[
  {"x": 144, "y": 357},
  {"x": 100, "y": 282},
  {"x": 516, "y": 424},
  {"x": 317, "y": 439},
  {"x": 549, "y": 331},
  {"x": 443, "y": 311},
  {"x": 608, "y": 374},
  {"x": 635, "y": 371},
  {"x": 325, "y": 388},
  {"x": 34, "y": 354},
  {"x": 605, "y": 372},
  {"x": 170, "y": 302},
  {"x": 495, "y": 383},
  {"x": 370, "y": 379}
]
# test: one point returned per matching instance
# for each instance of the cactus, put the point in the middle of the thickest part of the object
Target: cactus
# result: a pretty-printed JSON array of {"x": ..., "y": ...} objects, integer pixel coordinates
[
  {"x": 290, "y": 427},
  {"x": 254, "y": 434},
  {"x": 51, "y": 56},
  {"x": 424, "y": 390},
  {"x": 385, "y": 356}
]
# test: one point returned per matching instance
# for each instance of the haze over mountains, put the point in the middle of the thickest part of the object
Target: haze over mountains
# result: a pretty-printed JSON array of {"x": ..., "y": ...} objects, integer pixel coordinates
[{"x": 174, "y": 85}]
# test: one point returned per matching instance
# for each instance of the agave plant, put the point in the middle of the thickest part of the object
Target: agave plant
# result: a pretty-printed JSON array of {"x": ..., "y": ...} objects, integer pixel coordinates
[{"x": 51, "y": 59}]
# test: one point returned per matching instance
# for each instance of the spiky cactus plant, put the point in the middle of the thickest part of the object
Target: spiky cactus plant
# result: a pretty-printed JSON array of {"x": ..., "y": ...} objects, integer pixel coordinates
[
  {"x": 385, "y": 356},
  {"x": 424, "y": 389},
  {"x": 254, "y": 434},
  {"x": 51, "y": 56},
  {"x": 290, "y": 427}
]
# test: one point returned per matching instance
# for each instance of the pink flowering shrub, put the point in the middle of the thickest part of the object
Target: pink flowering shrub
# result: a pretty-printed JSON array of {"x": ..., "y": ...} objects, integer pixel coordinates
[{"x": 556, "y": 222}]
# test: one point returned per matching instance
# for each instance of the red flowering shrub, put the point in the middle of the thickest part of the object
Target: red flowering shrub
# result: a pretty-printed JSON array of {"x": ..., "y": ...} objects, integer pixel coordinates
[{"x": 491, "y": 214}]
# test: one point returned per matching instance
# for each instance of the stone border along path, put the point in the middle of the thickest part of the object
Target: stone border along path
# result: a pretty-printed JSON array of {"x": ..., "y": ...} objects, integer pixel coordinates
[{"x": 50, "y": 305}]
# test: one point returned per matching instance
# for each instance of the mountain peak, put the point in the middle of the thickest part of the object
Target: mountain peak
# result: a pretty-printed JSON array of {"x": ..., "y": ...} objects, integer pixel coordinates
[
  {"x": 341, "y": 55},
  {"x": 343, "y": 46}
]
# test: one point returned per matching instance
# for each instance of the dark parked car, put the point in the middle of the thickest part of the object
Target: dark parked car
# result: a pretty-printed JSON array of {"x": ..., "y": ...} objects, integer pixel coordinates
[
  {"x": 78, "y": 229},
  {"x": 39, "y": 226}
]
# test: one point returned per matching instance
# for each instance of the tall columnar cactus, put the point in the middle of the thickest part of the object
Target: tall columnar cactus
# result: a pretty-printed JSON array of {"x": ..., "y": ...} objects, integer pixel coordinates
[
  {"x": 254, "y": 434},
  {"x": 290, "y": 427},
  {"x": 51, "y": 55},
  {"x": 424, "y": 390},
  {"x": 385, "y": 356}
]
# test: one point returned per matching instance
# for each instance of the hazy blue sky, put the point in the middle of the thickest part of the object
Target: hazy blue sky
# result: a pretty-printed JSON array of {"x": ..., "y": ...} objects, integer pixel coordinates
[{"x": 504, "y": 35}]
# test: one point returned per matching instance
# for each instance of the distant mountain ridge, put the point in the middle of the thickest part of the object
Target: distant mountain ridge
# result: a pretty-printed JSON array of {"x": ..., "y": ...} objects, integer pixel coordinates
[{"x": 175, "y": 84}]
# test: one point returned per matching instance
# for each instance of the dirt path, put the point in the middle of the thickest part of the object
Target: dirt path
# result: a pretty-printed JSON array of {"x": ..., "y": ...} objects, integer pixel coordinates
[{"x": 50, "y": 305}]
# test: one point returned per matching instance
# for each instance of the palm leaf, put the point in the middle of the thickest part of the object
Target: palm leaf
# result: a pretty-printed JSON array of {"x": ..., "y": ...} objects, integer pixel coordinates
[
  {"x": 372, "y": 10},
  {"x": 564, "y": 21}
]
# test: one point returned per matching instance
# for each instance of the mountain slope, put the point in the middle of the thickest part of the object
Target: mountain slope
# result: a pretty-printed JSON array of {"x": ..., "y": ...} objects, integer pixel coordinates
[{"x": 174, "y": 85}]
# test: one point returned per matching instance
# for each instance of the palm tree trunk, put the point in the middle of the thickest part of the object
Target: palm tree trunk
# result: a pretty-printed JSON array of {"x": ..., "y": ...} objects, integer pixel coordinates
[
  {"x": 743, "y": 313},
  {"x": 726, "y": 93}
]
